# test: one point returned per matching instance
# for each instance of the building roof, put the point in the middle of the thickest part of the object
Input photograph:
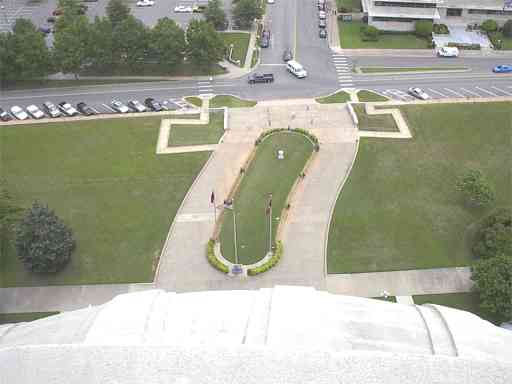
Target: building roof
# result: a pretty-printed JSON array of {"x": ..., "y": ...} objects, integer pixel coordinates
[{"x": 282, "y": 334}]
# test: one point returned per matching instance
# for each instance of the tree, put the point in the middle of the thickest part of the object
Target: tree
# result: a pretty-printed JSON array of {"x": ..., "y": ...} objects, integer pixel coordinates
[
  {"x": 117, "y": 12},
  {"x": 168, "y": 43},
  {"x": 507, "y": 28},
  {"x": 130, "y": 42},
  {"x": 205, "y": 45},
  {"x": 101, "y": 49},
  {"x": 369, "y": 33},
  {"x": 9, "y": 210},
  {"x": 489, "y": 26},
  {"x": 245, "y": 11},
  {"x": 71, "y": 44},
  {"x": 7, "y": 68},
  {"x": 215, "y": 15},
  {"x": 495, "y": 235},
  {"x": 423, "y": 28},
  {"x": 475, "y": 189},
  {"x": 493, "y": 282},
  {"x": 43, "y": 242}
]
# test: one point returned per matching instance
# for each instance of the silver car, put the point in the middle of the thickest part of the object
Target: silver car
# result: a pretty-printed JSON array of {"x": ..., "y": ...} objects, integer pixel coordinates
[
  {"x": 51, "y": 109},
  {"x": 35, "y": 112},
  {"x": 67, "y": 109},
  {"x": 19, "y": 113},
  {"x": 136, "y": 106},
  {"x": 119, "y": 106},
  {"x": 418, "y": 93}
]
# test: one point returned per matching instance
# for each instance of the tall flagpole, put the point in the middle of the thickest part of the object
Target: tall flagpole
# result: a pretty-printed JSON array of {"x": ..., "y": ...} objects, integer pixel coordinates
[
  {"x": 270, "y": 224},
  {"x": 234, "y": 231},
  {"x": 212, "y": 200}
]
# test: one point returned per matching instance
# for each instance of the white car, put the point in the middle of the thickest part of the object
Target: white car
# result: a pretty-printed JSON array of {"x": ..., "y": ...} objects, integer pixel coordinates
[
  {"x": 418, "y": 93},
  {"x": 35, "y": 112},
  {"x": 19, "y": 113},
  {"x": 67, "y": 109},
  {"x": 271, "y": 1},
  {"x": 137, "y": 106},
  {"x": 448, "y": 52},
  {"x": 322, "y": 15},
  {"x": 296, "y": 69},
  {"x": 145, "y": 3},
  {"x": 183, "y": 9},
  {"x": 119, "y": 106},
  {"x": 51, "y": 109}
]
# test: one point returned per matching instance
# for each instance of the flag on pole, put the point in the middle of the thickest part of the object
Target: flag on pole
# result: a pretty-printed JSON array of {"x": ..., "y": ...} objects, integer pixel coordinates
[
  {"x": 269, "y": 206},
  {"x": 212, "y": 198}
]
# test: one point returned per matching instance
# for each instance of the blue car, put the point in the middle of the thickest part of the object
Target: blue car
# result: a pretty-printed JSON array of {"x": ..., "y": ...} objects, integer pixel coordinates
[{"x": 502, "y": 69}]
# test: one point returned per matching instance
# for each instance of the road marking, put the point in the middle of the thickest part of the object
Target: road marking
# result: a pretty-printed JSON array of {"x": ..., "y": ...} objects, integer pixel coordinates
[
  {"x": 486, "y": 91},
  {"x": 453, "y": 92},
  {"x": 501, "y": 90},
  {"x": 108, "y": 108},
  {"x": 203, "y": 82},
  {"x": 436, "y": 92},
  {"x": 470, "y": 92}
]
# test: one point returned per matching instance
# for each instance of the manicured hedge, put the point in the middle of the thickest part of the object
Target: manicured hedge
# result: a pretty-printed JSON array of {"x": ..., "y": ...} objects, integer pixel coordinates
[
  {"x": 304, "y": 132},
  {"x": 270, "y": 263},
  {"x": 212, "y": 259}
]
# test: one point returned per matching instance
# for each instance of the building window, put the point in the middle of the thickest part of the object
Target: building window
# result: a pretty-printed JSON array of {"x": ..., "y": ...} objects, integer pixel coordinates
[
  {"x": 454, "y": 12},
  {"x": 399, "y": 19},
  {"x": 489, "y": 12},
  {"x": 402, "y": 4}
]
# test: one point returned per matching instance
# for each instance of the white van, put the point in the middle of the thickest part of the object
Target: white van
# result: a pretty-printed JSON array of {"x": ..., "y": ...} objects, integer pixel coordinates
[
  {"x": 448, "y": 52},
  {"x": 295, "y": 68}
]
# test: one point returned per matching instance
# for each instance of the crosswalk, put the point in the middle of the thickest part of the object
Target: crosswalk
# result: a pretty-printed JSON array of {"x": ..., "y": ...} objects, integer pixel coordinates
[
  {"x": 453, "y": 92},
  {"x": 343, "y": 70},
  {"x": 205, "y": 87}
]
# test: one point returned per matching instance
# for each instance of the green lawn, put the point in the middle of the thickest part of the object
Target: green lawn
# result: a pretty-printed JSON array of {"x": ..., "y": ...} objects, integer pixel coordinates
[
  {"x": 153, "y": 69},
  {"x": 231, "y": 102},
  {"x": 240, "y": 43},
  {"x": 409, "y": 69},
  {"x": 255, "y": 57},
  {"x": 465, "y": 301},
  {"x": 399, "y": 209},
  {"x": 350, "y": 37},
  {"x": 338, "y": 97},
  {"x": 382, "y": 123},
  {"x": 34, "y": 84},
  {"x": 105, "y": 181},
  {"x": 190, "y": 134},
  {"x": 265, "y": 175},
  {"x": 197, "y": 101},
  {"x": 369, "y": 96},
  {"x": 353, "y": 5},
  {"x": 505, "y": 41},
  {"x": 7, "y": 318}
]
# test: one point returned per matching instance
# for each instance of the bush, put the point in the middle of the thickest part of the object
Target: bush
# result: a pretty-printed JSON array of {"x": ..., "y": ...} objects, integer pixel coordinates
[
  {"x": 507, "y": 29},
  {"x": 489, "y": 26},
  {"x": 495, "y": 40},
  {"x": 440, "y": 29},
  {"x": 369, "y": 33},
  {"x": 475, "y": 189},
  {"x": 43, "y": 242},
  {"x": 423, "y": 28},
  {"x": 304, "y": 132},
  {"x": 212, "y": 259},
  {"x": 473, "y": 47},
  {"x": 278, "y": 252},
  {"x": 495, "y": 235}
]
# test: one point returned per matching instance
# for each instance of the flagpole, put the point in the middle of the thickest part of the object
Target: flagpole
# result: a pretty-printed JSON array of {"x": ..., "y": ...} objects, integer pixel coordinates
[
  {"x": 270, "y": 225},
  {"x": 234, "y": 231},
  {"x": 212, "y": 200}
]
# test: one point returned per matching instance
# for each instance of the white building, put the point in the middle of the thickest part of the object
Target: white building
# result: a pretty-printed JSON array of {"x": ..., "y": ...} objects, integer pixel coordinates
[
  {"x": 289, "y": 335},
  {"x": 400, "y": 15}
]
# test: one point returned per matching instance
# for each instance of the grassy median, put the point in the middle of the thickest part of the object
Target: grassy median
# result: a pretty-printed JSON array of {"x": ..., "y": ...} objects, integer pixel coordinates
[{"x": 194, "y": 134}]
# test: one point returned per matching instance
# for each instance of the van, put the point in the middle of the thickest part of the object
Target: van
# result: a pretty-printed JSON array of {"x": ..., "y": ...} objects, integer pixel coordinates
[
  {"x": 448, "y": 52},
  {"x": 296, "y": 69}
]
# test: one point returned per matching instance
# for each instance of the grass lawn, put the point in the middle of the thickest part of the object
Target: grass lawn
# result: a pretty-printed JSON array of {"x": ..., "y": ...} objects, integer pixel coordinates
[
  {"x": 353, "y": 5},
  {"x": 103, "y": 178},
  {"x": 33, "y": 84},
  {"x": 506, "y": 42},
  {"x": 350, "y": 37},
  {"x": 369, "y": 96},
  {"x": 240, "y": 43},
  {"x": 391, "y": 299},
  {"x": 7, "y": 318},
  {"x": 382, "y": 123},
  {"x": 152, "y": 69},
  {"x": 197, "y": 101},
  {"x": 266, "y": 174},
  {"x": 198, "y": 134},
  {"x": 399, "y": 209},
  {"x": 408, "y": 69},
  {"x": 465, "y": 301},
  {"x": 338, "y": 97},
  {"x": 231, "y": 102}
]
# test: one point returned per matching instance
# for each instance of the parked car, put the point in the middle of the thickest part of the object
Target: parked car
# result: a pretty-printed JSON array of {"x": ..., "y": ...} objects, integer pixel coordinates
[
  {"x": 145, "y": 3},
  {"x": 86, "y": 110},
  {"x": 4, "y": 116},
  {"x": 119, "y": 106},
  {"x": 448, "y": 52},
  {"x": 321, "y": 5},
  {"x": 265, "y": 39},
  {"x": 296, "y": 69},
  {"x": 136, "y": 106},
  {"x": 287, "y": 55},
  {"x": 45, "y": 30},
  {"x": 183, "y": 9},
  {"x": 322, "y": 23},
  {"x": 322, "y": 15},
  {"x": 198, "y": 8},
  {"x": 51, "y": 109},
  {"x": 67, "y": 109},
  {"x": 271, "y": 1},
  {"x": 502, "y": 68},
  {"x": 322, "y": 33},
  {"x": 261, "y": 78},
  {"x": 153, "y": 104},
  {"x": 35, "y": 112},
  {"x": 19, "y": 113},
  {"x": 418, "y": 93}
]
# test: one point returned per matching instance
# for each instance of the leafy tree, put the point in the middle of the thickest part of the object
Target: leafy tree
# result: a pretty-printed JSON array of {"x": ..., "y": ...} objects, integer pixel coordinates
[
  {"x": 9, "y": 210},
  {"x": 475, "y": 189},
  {"x": 507, "y": 28},
  {"x": 43, "y": 242},
  {"x": 493, "y": 282},
  {"x": 130, "y": 42},
  {"x": 168, "y": 43},
  {"x": 215, "y": 15},
  {"x": 423, "y": 28},
  {"x": 489, "y": 26},
  {"x": 495, "y": 235},
  {"x": 245, "y": 11},
  {"x": 101, "y": 49},
  {"x": 205, "y": 45},
  {"x": 117, "y": 12},
  {"x": 7, "y": 68},
  {"x": 71, "y": 44}
]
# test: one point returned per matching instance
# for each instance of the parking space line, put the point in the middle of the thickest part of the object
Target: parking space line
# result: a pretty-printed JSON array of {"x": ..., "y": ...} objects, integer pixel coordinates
[
  {"x": 436, "y": 92},
  {"x": 108, "y": 108},
  {"x": 486, "y": 91},
  {"x": 501, "y": 90},
  {"x": 453, "y": 92},
  {"x": 471, "y": 92}
]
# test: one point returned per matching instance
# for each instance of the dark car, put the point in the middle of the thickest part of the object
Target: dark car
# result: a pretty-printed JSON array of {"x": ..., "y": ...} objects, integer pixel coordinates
[
  {"x": 84, "y": 109},
  {"x": 322, "y": 33},
  {"x": 153, "y": 105},
  {"x": 287, "y": 55},
  {"x": 265, "y": 39},
  {"x": 4, "y": 116},
  {"x": 322, "y": 23},
  {"x": 261, "y": 78},
  {"x": 51, "y": 19}
]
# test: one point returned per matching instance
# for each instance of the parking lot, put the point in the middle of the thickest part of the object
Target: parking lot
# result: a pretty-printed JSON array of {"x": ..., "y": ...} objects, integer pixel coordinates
[{"x": 438, "y": 92}]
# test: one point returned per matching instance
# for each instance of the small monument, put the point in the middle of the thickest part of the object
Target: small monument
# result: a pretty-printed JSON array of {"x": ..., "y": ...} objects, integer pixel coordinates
[{"x": 280, "y": 154}]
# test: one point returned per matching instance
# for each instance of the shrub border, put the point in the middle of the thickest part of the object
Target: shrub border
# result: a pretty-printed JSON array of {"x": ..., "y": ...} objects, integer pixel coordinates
[
  {"x": 213, "y": 260},
  {"x": 276, "y": 256}
]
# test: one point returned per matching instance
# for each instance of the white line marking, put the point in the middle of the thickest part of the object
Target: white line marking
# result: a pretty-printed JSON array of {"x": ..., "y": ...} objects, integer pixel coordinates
[
  {"x": 453, "y": 92},
  {"x": 470, "y": 92},
  {"x": 108, "y": 108},
  {"x": 486, "y": 91},
  {"x": 501, "y": 90},
  {"x": 437, "y": 92},
  {"x": 203, "y": 82}
]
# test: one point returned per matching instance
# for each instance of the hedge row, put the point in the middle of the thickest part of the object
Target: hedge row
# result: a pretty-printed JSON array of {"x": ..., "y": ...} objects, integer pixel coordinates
[
  {"x": 271, "y": 262},
  {"x": 304, "y": 132},
  {"x": 473, "y": 47},
  {"x": 212, "y": 259}
]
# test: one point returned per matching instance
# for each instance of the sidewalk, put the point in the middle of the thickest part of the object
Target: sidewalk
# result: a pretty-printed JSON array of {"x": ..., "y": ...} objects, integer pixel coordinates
[{"x": 417, "y": 52}]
